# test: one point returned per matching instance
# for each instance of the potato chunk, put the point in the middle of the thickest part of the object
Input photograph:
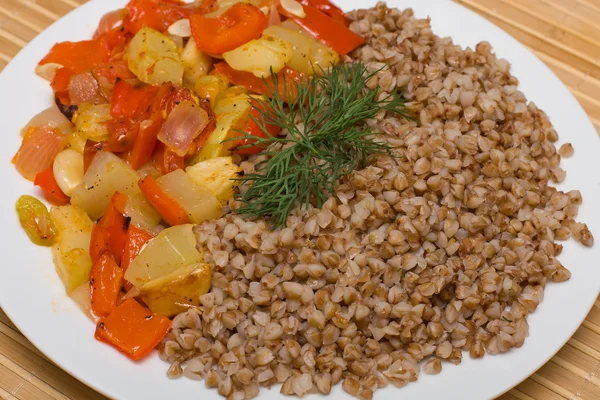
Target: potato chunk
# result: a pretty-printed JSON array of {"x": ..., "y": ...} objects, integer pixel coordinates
[
  {"x": 72, "y": 245},
  {"x": 218, "y": 175},
  {"x": 177, "y": 291},
  {"x": 153, "y": 58}
]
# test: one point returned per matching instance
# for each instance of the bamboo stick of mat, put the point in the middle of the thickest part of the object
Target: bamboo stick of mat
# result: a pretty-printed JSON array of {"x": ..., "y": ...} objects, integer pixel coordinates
[{"x": 565, "y": 34}]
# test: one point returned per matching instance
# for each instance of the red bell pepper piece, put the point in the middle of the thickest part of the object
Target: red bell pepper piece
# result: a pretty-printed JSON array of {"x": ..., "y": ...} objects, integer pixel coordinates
[
  {"x": 133, "y": 329},
  {"x": 45, "y": 180},
  {"x": 260, "y": 86},
  {"x": 154, "y": 14},
  {"x": 166, "y": 160},
  {"x": 328, "y": 8},
  {"x": 237, "y": 26},
  {"x": 244, "y": 145},
  {"x": 146, "y": 140},
  {"x": 333, "y": 34},
  {"x": 105, "y": 285},
  {"x": 170, "y": 210},
  {"x": 123, "y": 133},
  {"x": 116, "y": 224},
  {"x": 60, "y": 84},
  {"x": 78, "y": 56}
]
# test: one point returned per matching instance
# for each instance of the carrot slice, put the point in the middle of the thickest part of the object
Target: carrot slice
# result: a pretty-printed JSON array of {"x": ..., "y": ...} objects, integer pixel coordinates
[
  {"x": 170, "y": 210},
  {"x": 98, "y": 242},
  {"x": 116, "y": 224},
  {"x": 105, "y": 285},
  {"x": 45, "y": 180},
  {"x": 133, "y": 329}
]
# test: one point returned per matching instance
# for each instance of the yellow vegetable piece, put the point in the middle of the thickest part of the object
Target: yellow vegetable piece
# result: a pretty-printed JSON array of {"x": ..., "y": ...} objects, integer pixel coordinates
[
  {"x": 199, "y": 203},
  {"x": 177, "y": 291},
  {"x": 209, "y": 87},
  {"x": 106, "y": 175},
  {"x": 71, "y": 249},
  {"x": 261, "y": 56},
  {"x": 172, "y": 249},
  {"x": 309, "y": 54},
  {"x": 36, "y": 221},
  {"x": 90, "y": 121},
  {"x": 218, "y": 175},
  {"x": 142, "y": 215},
  {"x": 76, "y": 142},
  {"x": 68, "y": 170},
  {"x": 153, "y": 58},
  {"x": 195, "y": 63}
]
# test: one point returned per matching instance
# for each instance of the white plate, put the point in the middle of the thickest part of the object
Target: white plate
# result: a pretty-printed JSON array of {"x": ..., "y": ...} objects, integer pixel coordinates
[{"x": 34, "y": 298}]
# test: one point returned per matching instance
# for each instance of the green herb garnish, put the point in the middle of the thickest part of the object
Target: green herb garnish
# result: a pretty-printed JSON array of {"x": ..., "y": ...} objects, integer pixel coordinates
[{"x": 327, "y": 139}]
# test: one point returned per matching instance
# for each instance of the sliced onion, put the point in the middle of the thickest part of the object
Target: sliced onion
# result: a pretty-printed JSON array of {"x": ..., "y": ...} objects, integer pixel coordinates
[
  {"x": 181, "y": 28},
  {"x": 40, "y": 147},
  {"x": 51, "y": 117},
  {"x": 47, "y": 71},
  {"x": 182, "y": 126},
  {"x": 84, "y": 88},
  {"x": 293, "y": 7},
  {"x": 110, "y": 21}
]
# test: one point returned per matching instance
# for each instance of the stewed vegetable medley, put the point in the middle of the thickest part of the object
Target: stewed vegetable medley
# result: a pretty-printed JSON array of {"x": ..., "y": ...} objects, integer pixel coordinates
[{"x": 151, "y": 118}]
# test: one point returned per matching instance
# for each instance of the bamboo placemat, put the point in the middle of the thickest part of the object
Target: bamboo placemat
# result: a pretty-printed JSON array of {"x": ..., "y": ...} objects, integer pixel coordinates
[{"x": 565, "y": 34}]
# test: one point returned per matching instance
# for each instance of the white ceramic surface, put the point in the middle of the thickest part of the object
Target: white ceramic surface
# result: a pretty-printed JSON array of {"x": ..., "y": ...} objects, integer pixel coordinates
[{"x": 34, "y": 298}]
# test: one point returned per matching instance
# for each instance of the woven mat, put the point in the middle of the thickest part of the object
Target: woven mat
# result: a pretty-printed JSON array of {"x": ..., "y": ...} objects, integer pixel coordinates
[{"x": 565, "y": 34}]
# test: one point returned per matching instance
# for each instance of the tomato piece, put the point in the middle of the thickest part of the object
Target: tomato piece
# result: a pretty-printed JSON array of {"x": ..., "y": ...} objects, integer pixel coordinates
[
  {"x": 154, "y": 14},
  {"x": 244, "y": 145},
  {"x": 328, "y": 8},
  {"x": 333, "y": 34},
  {"x": 131, "y": 100},
  {"x": 116, "y": 224},
  {"x": 136, "y": 239},
  {"x": 169, "y": 209},
  {"x": 105, "y": 285},
  {"x": 78, "y": 56},
  {"x": 238, "y": 25},
  {"x": 47, "y": 183},
  {"x": 133, "y": 329}
]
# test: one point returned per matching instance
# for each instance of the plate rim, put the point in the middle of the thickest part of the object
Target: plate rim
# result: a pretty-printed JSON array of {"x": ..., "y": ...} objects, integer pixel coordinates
[{"x": 83, "y": 9}]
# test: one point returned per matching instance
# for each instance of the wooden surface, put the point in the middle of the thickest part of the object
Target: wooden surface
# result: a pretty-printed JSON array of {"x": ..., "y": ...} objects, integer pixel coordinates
[{"x": 565, "y": 34}]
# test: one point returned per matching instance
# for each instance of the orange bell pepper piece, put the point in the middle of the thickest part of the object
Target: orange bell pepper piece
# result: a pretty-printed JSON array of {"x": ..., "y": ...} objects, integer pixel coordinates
[
  {"x": 136, "y": 239},
  {"x": 333, "y": 34},
  {"x": 238, "y": 25},
  {"x": 105, "y": 285},
  {"x": 116, "y": 224},
  {"x": 52, "y": 192},
  {"x": 169, "y": 209},
  {"x": 133, "y": 329},
  {"x": 99, "y": 242}
]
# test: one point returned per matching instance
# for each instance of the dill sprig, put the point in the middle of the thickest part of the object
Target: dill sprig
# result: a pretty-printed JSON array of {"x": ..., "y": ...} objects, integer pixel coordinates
[{"x": 327, "y": 138}]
